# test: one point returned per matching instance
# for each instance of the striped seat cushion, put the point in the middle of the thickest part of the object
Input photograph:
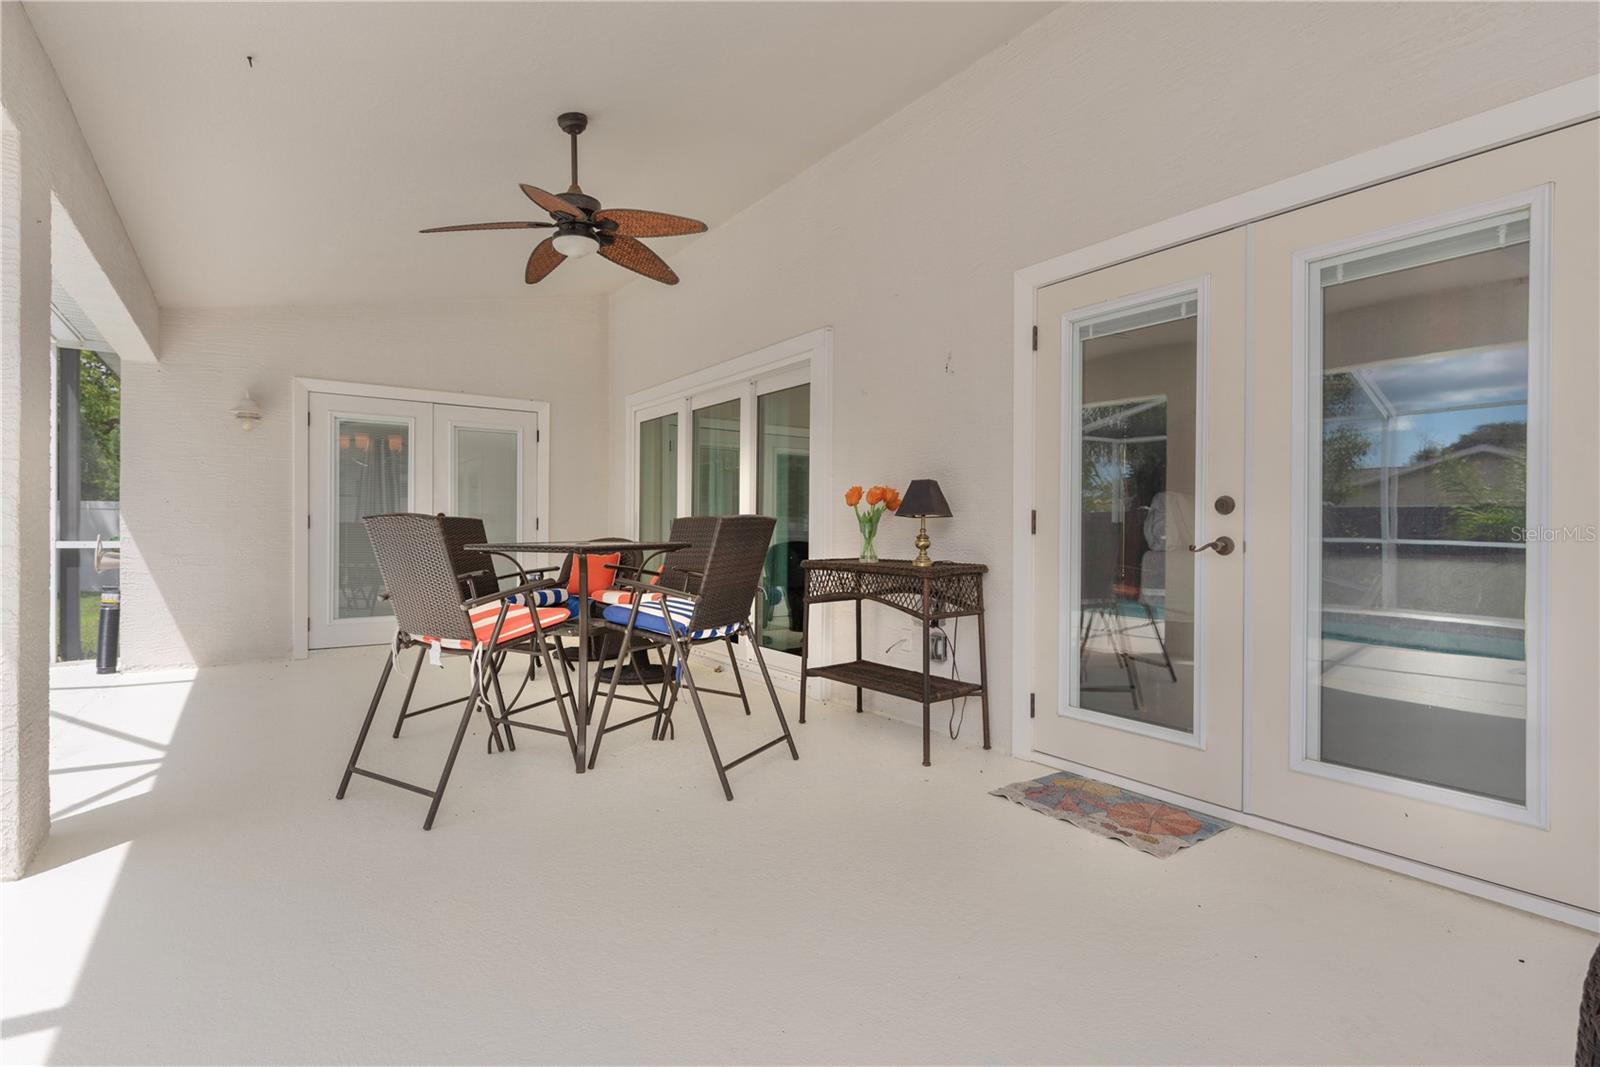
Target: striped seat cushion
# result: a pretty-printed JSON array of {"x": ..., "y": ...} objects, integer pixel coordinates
[
  {"x": 541, "y": 598},
  {"x": 518, "y": 624},
  {"x": 653, "y": 617}
]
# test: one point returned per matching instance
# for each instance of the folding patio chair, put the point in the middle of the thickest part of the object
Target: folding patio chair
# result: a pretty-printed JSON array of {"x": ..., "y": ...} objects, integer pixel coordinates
[
  {"x": 718, "y": 609},
  {"x": 419, "y": 572},
  {"x": 476, "y": 575}
]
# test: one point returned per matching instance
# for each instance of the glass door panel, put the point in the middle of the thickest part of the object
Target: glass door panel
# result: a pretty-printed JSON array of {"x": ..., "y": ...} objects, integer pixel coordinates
[
  {"x": 715, "y": 449},
  {"x": 1418, "y": 660},
  {"x": 367, "y": 456},
  {"x": 486, "y": 464},
  {"x": 372, "y": 475},
  {"x": 485, "y": 476},
  {"x": 658, "y": 476},
  {"x": 1135, "y": 602},
  {"x": 783, "y": 490}
]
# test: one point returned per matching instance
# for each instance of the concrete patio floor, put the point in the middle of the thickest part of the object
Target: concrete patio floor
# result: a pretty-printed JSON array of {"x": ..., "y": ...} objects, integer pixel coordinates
[{"x": 203, "y": 899}]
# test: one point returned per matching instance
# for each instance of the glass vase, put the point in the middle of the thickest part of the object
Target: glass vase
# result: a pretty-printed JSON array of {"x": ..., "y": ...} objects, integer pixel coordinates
[{"x": 869, "y": 538}]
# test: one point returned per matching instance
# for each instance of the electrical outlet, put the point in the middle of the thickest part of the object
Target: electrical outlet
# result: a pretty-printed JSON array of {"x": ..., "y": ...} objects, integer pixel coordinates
[{"x": 938, "y": 647}]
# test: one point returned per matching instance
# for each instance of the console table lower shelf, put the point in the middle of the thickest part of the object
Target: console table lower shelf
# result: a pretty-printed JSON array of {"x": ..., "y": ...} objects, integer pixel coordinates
[{"x": 896, "y": 681}]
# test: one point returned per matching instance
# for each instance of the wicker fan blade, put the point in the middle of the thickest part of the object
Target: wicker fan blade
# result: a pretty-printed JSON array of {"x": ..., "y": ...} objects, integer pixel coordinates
[
  {"x": 551, "y": 202},
  {"x": 490, "y": 226},
  {"x": 544, "y": 259},
  {"x": 626, "y": 252},
  {"x": 632, "y": 222}
]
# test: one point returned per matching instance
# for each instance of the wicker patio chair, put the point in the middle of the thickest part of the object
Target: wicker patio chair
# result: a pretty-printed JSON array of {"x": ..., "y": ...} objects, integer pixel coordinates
[
  {"x": 420, "y": 575},
  {"x": 476, "y": 575},
  {"x": 718, "y": 609}
]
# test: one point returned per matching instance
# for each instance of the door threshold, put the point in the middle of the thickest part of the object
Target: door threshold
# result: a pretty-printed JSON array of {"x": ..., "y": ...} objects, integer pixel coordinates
[{"x": 1531, "y": 903}]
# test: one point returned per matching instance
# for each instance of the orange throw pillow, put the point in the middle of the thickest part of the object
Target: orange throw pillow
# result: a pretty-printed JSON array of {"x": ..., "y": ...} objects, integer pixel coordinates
[{"x": 602, "y": 572}]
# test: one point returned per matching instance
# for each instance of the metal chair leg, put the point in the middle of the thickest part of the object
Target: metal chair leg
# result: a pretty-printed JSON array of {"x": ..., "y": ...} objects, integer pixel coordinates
[
  {"x": 667, "y": 729},
  {"x": 776, "y": 706},
  {"x": 366, "y": 724},
  {"x": 705, "y": 725},
  {"x": 500, "y": 699},
  {"x": 405, "y": 705},
  {"x": 733, "y": 664},
  {"x": 611, "y": 695},
  {"x": 450, "y": 761}
]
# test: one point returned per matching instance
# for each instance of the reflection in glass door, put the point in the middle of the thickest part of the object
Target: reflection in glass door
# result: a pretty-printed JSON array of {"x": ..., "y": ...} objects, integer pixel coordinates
[
  {"x": 658, "y": 476},
  {"x": 715, "y": 448},
  {"x": 1419, "y": 664},
  {"x": 486, "y": 469},
  {"x": 1135, "y": 407},
  {"x": 373, "y": 475},
  {"x": 783, "y": 490}
]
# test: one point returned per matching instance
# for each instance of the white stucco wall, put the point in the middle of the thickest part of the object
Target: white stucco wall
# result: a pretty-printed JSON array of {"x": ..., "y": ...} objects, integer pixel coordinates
[
  {"x": 55, "y": 217},
  {"x": 206, "y": 574},
  {"x": 1099, "y": 119}
]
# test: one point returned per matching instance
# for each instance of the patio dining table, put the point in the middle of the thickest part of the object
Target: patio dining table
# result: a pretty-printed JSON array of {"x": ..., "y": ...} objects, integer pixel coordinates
[{"x": 580, "y": 551}]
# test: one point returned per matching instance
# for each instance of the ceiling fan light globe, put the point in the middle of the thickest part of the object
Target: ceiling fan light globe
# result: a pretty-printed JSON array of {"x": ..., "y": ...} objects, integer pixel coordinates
[{"x": 574, "y": 245}]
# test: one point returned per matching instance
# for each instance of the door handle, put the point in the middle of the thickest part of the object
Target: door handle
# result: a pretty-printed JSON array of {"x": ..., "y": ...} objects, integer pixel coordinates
[{"x": 1222, "y": 546}]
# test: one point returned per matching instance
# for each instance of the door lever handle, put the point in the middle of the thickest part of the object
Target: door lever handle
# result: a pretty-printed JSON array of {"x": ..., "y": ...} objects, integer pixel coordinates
[{"x": 1222, "y": 546}]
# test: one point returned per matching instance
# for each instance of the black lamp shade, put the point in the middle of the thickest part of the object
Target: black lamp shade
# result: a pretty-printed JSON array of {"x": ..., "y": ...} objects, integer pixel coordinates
[{"x": 923, "y": 497}]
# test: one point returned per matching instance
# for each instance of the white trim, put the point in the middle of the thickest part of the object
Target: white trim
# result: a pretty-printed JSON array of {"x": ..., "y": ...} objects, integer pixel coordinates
[
  {"x": 1306, "y": 480},
  {"x": 747, "y": 377},
  {"x": 1071, "y": 497},
  {"x": 1541, "y": 113},
  {"x": 1556, "y": 910},
  {"x": 300, "y": 390}
]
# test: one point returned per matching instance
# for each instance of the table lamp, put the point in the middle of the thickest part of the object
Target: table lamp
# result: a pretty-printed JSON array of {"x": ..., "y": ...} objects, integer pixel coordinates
[{"x": 923, "y": 498}]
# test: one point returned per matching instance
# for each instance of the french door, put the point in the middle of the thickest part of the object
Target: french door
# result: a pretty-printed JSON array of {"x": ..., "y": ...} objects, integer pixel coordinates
[
  {"x": 371, "y": 455},
  {"x": 1139, "y": 462},
  {"x": 1423, "y": 566},
  {"x": 1399, "y": 650}
]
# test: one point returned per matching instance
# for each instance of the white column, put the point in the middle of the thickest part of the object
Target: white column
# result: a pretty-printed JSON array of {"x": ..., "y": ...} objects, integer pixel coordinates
[{"x": 25, "y": 638}]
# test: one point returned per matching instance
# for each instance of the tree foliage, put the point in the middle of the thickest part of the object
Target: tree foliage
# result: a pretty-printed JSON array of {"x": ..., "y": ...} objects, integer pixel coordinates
[{"x": 100, "y": 429}]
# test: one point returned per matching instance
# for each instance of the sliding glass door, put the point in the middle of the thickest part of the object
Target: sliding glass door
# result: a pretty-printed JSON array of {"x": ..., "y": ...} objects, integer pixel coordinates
[{"x": 742, "y": 446}]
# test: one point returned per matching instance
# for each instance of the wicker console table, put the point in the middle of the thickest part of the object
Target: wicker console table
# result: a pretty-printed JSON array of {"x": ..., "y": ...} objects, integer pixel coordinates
[{"x": 930, "y": 594}]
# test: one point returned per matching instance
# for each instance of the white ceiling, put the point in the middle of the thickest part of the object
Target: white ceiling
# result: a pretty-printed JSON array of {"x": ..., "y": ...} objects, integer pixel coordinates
[{"x": 304, "y": 179}]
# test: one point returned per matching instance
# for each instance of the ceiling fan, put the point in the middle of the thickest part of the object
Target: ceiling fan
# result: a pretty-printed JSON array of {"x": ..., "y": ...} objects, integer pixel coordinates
[{"x": 582, "y": 226}]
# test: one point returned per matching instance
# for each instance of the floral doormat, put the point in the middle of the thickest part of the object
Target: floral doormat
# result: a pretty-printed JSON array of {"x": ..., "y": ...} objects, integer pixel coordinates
[{"x": 1111, "y": 811}]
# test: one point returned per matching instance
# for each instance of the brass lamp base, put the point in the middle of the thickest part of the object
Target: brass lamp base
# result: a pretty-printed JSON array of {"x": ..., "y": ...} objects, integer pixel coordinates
[{"x": 923, "y": 541}]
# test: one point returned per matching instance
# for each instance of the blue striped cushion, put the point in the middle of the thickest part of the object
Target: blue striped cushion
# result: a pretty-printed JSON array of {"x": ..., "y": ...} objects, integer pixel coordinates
[
  {"x": 541, "y": 598},
  {"x": 653, "y": 618}
]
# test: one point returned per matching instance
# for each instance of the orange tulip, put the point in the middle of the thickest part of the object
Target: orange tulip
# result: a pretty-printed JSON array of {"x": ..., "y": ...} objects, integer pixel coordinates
[
  {"x": 894, "y": 500},
  {"x": 852, "y": 496},
  {"x": 875, "y": 495}
]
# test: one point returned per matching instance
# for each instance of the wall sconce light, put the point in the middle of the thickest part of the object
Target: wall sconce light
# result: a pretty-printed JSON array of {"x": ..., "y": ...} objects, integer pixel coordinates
[{"x": 246, "y": 413}]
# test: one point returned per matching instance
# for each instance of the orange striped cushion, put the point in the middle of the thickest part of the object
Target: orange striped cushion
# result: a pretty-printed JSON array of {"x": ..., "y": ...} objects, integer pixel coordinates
[{"x": 519, "y": 620}]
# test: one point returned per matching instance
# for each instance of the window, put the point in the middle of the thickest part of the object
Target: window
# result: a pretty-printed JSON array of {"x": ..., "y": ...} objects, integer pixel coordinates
[{"x": 88, "y": 455}]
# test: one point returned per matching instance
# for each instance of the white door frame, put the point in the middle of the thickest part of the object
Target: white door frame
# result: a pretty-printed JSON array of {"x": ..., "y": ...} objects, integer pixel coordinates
[
  {"x": 300, "y": 471},
  {"x": 1541, "y": 113}
]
